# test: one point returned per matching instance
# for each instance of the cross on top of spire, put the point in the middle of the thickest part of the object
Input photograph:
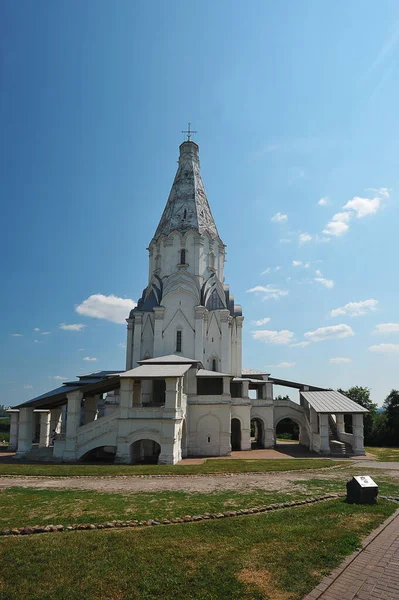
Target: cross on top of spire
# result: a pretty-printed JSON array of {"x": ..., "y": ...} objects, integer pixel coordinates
[{"x": 189, "y": 132}]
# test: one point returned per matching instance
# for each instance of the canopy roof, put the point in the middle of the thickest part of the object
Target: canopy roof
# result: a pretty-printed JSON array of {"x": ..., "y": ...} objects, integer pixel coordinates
[
  {"x": 156, "y": 371},
  {"x": 332, "y": 402}
]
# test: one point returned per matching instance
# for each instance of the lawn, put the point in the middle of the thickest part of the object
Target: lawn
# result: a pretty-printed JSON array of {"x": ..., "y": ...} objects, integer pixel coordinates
[
  {"x": 209, "y": 466},
  {"x": 280, "y": 555},
  {"x": 384, "y": 454}
]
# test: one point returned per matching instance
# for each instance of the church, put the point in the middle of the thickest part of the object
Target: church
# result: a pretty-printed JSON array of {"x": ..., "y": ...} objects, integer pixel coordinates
[{"x": 184, "y": 392}]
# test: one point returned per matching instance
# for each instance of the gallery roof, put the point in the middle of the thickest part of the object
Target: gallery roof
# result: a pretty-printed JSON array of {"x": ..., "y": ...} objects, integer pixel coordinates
[
  {"x": 206, "y": 373},
  {"x": 156, "y": 371},
  {"x": 332, "y": 402},
  {"x": 169, "y": 359}
]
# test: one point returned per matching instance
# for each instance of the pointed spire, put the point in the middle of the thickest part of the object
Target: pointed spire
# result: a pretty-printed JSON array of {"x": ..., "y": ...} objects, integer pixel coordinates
[{"x": 187, "y": 206}]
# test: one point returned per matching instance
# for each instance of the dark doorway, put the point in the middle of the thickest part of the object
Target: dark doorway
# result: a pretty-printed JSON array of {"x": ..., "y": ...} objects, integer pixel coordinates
[
  {"x": 235, "y": 434},
  {"x": 287, "y": 430},
  {"x": 257, "y": 434},
  {"x": 145, "y": 452}
]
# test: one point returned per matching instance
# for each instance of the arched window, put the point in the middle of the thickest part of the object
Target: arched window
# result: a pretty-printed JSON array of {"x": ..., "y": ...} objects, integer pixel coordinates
[
  {"x": 178, "y": 340},
  {"x": 182, "y": 257},
  {"x": 214, "y": 364}
]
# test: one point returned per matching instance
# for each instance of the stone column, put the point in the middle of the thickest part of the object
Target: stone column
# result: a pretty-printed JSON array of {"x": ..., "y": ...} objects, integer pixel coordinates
[
  {"x": 358, "y": 434},
  {"x": 246, "y": 432},
  {"x": 44, "y": 440},
  {"x": 323, "y": 430},
  {"x": 226, "y": 341},
  {"x": 14, "y": 424},
  {"x": 25, "y": 431},
  {"x": 245, "y": 389},
  {"x": 138, "y": 324},
  {"x": 340, "y": 424},
  {"x": 56, "y": 420},
  {"x": 226, "y": 396},
  {"x": 91, "y": 408},
  {"x": 74, "y": 400},
  {"x": 172, "y": 390},
  {"x": 159, "y": 312},
  {"x": 239, "y": 321},
  {"x": 126, "y": 395},
  {"x": 199, "y": 333},
  {"x": 129, "y": 344}
]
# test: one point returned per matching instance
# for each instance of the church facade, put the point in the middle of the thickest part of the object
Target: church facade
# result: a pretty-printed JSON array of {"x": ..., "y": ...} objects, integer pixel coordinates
[{"x": 183, "y": 391}]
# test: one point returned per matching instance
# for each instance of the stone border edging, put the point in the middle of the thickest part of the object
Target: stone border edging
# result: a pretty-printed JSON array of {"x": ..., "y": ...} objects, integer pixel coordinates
[
  {"x": 117, "y": 524},
  {"x": 328, "y": 581}
]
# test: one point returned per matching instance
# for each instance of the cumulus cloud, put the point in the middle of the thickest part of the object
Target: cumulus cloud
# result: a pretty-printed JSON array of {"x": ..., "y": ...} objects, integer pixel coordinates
[
  {"x": 319, "y": 273},
  {"x": 355, "y": 309},
  {"x": 273, "y": 337},
  {"x": 45, "y": 332},
  {"x": 261, "y": 322},
  {"x": 355, "y": 208},
  {"x": 28, "y": 387},
  {"x": 296, "y": 263},
  {"x": 89, "y": 358},
  {"x": 304, "y": 237},
  {"x": 73, "y": 327},
  {"x": 16, "y": 334},
  {"x": 110, "y": 307},
  {"x": 282, "y": 365},
  {"x": 300, "y": 345},
  {"x": 336, "y": 228},
  {"x": 385, "y": 348},
  {"x": 36, "y": 329},
  {"x": 323, "y": 201},
  {"x": 339, "y": 360},
  {"x": 269, "y": 292},
  {"x": 328, "y": 283},
  {"x": 279, "y": 218},
  {"x": 329, "y": 333},
  {"x": 386, "y": 328},
  {"x": 364, "y": 206}
]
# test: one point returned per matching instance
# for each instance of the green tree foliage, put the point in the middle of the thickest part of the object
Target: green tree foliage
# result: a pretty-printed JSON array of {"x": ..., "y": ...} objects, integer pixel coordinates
[
  {"x": 361, "y": 395},
  {"x": 391, "y": 405}
]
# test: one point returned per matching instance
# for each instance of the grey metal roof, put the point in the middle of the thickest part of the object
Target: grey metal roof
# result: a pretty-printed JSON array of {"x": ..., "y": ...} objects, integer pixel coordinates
[
  {"x": 206, "y": 373},
  {"x": 154, "y": 371},
  {"x": 331, "y": 401},
  {"x": 297, "y": 385},
  {"x": 171, "y": 359}
]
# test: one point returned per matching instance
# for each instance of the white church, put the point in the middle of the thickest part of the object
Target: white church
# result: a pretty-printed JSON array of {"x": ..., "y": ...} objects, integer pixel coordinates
[{"x": 184, "y": 392}]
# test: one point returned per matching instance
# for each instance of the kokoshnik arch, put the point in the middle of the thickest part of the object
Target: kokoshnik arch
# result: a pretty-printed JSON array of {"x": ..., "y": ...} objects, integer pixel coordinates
[{"x": 183, "y": 391}]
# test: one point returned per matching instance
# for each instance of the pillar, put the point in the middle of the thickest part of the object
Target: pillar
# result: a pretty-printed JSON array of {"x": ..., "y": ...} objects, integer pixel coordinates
[
  {"x": 129, "y": 344},
  {"x": 226, "y": 340},
  {"x": 159, "y": 312},
  {"x": 14, "y": 424},
  {"x": 74, "y": 400},
  {"x": 245, "y": 389},
  {"x": 358, "y": 434},
  {"x": 239, "y": 321},
  {"x": 25, "y": 431},
  {"x": 91, "y": 408},
  {"x": 44, "y": 439},
  {"x": 138, "y": 324},
  {"x": 171, "y": 393},
  {"x": 324, "y": 437},
  {"x": 340, "y": 423},
  {"x": 199, "y": 333},
  {"x": 226, "y": 388}
]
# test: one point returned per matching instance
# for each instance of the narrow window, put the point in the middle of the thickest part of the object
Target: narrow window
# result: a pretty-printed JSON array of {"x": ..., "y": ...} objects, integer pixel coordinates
[
  {"x": 209, "y": 440},
  {"x": 214, "y": 364},
  {"x": 182, "y": 257},
  {"x": 185, "y": 214},
  {"x": 178, "y": 341}
]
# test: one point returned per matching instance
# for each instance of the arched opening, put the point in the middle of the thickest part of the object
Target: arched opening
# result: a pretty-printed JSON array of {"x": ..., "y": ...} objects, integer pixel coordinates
[
  {"x": 104, "y": 454},
  {"x": 257, "y": 434},
  {"x": 235, "y": 434},
  {"x": 287, "y": 432},
  {"x": 145, "y": 452},
  {"x": 182, "y": 257}
]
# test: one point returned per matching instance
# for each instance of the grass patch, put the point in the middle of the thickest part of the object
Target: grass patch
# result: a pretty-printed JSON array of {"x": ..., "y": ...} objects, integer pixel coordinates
[
  {"x": 386, "y": 486},
  {"x": 384, "y": 454},
  {"x": 275, "y": 556},
  {"x": 209, "y": 466}
]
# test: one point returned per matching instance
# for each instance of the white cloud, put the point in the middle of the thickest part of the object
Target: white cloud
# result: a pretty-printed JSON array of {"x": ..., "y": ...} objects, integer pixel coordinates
[
  {"x": 122, "y": 344},
  {"x": 355, "y": 309},
  {"x": 16, "y": 334},
  {"x": 273, "y": 337},
  {"x": 323, "y": 201},
  {"x": 329, "y": 333},
  {"x": 270, "y": 292},
  {"x": 328, "y": 283},
  {"x": 80, "y": 349},
  {"x": 45, "y": 332},
  {"x": 270, "y": 269},
  {"x": 58, "y": 377},
  {"x": 89, "y": 358},
  {"x": 386, "y": 328},
  {"x": 357, "y": 207},
  {"x": 278, "y": 268},
  {"x": 282, "y": 365},
  {"x": 285, "y": 241},
  {"x": 296, "y": 263},
  {"x": 364, "y": 206},
  {"x": 262, "y": 322},
  {"x": 28, "y": 387},
  {"x": 336, "y": 228},
  {"x": 339, "y": 360},
  {"x": 36, "y": 329},
  {"x": 385, "y": 348},
  {"x": 110, "y": 307},
  {"x": 75, "y": 327},
  {"x": 279, "y": 218},
  {"x": 319, "y": 273},
  {"x": 304, "y": 237},
  {"x": 300, "y": 345},
  {"x": 307, "y": 265},
  {"x": 35, "y": 341}
]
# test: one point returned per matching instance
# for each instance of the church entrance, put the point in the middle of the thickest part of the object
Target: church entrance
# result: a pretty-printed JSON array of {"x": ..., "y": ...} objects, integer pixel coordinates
[
  {"x": 257, "y": 434},
  {"x": 145, "y": 452},
  {"x": 235, "y": 434}
]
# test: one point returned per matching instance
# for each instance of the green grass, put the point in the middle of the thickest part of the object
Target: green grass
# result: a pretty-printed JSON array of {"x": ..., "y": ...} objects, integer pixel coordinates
[
  {"x": 386, "y": 485},
  {"x": 209, "y": 466},
  {"x": 384, "y": 454},
  {"x": 280, "y": 555}
]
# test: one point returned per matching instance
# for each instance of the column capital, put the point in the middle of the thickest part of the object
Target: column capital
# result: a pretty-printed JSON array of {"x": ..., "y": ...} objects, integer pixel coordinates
[
  {"x": 199, "y": 312},
  {"x": 138, "y": 317},
  {"x": 239, "y": 321},
  {"x": 224, "y": 315},
  {"x": 159, "y": 312}
]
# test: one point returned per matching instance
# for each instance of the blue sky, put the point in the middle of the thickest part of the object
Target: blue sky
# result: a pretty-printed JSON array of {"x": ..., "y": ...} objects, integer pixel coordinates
[{"x": 293, "y": 102}]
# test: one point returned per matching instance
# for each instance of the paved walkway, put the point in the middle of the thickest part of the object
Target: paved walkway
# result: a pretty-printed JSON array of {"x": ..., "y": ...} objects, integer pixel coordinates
[{"x": 371, "y": 573}]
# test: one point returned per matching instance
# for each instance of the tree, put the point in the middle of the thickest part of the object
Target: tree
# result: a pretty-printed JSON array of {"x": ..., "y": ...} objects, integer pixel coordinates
[
  {"x": 361, "y": 395},
  {"x": 391, "y": 405}
]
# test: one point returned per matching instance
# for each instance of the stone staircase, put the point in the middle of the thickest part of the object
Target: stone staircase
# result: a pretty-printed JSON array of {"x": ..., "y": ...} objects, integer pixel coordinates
[{"x": 337, "y": 448}]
